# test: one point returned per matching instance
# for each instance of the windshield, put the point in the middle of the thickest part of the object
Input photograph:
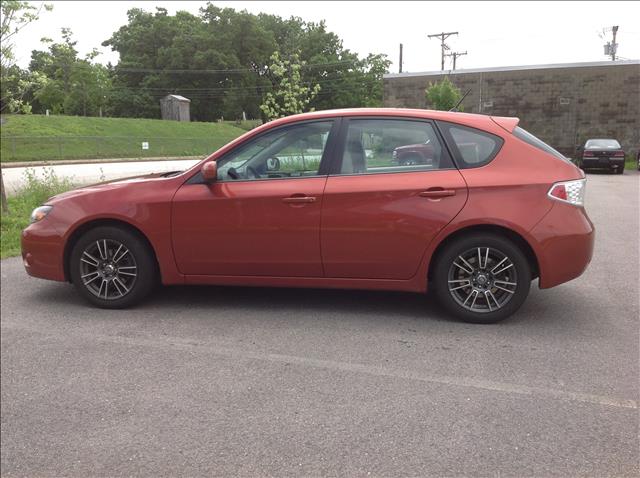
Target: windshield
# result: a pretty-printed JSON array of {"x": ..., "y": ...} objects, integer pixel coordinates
[
  {"x": 538, "y": 143},
  {"x": 602, "y": 144}
]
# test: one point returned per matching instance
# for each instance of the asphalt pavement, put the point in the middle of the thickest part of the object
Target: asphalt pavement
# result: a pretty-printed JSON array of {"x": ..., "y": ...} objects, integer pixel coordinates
[{"x": 222, "y": 381}]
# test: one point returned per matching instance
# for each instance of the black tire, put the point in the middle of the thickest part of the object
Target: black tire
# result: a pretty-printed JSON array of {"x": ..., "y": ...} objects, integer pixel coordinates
[
  {"x": 411, "y": 160},
  {"x": 620, "y": 170},
  {"x": 497, "y": 244},
  {"x": 139, "y": 259}
]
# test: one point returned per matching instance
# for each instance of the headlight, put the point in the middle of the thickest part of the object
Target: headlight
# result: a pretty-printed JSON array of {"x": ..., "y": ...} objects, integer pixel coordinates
[{"x": 40, "y": 213}]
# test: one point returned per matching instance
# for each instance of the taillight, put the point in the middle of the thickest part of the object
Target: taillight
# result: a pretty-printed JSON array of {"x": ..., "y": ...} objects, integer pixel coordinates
[
  {"x": 569, "y": 191},
  {"x": 618, "y": 154},
  {"x": 588, "y": 154}
]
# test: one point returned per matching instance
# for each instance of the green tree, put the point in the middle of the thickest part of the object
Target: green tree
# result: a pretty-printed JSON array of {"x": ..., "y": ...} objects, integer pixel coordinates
[
  {"x": 72, "y": 85},
  {"x": 220, "y": 60},
  {"x": 15, "y": 83},
  {"x": 289, "y": 95},
  {"x": 443, "y": 95}
]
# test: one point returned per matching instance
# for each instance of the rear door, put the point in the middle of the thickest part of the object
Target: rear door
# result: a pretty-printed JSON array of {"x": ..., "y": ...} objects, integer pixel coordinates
[{"x": 379, "y": 214}]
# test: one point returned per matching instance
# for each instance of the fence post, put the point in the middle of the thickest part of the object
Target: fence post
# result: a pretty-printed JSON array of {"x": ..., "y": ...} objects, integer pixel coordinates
[
  {"x": 13, "y": 148},
  {"x": 5, "y": 206}
]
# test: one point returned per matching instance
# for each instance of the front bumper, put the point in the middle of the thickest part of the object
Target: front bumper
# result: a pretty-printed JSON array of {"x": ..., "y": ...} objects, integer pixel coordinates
[
  {"x": 565, "y": 239},
  {"x": 43, "y": 251}
]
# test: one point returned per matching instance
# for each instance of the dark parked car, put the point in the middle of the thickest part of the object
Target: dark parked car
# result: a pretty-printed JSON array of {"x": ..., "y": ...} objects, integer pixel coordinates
[
  {"x": 601, "y": 154},
  {"x": 412, "y": 154}
]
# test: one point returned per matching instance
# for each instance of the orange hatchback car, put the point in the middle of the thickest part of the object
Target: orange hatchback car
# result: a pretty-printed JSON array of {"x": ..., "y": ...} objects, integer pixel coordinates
[{"x": 321, "y": 200}]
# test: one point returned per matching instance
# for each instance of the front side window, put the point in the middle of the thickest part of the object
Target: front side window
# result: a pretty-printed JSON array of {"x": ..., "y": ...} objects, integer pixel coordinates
[
  {"x": 293, "y": 151},
  {"x": 475, "y": 147},
  {"x": 392, "y": 145}
]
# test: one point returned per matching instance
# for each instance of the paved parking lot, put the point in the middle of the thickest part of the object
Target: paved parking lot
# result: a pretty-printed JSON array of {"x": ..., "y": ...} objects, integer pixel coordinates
[{"x": 282, "y": 382}]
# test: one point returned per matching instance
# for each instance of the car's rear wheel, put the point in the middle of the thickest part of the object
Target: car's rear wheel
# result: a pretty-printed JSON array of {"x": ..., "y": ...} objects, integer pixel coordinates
[
  {"x": 482, "y": 278},
  {"x": 112, "y": 267}
]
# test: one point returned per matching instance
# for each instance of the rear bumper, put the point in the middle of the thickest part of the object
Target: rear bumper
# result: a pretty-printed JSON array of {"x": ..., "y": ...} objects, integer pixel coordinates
[
  {"x": 43, "y": 251},
  {"x": 565, "y": 240},
  {"x": 596, "y": 163}
]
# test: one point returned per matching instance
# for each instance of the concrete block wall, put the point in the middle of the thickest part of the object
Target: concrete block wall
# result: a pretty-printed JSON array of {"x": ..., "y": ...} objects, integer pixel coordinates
[{"x": 561, "y": 104}]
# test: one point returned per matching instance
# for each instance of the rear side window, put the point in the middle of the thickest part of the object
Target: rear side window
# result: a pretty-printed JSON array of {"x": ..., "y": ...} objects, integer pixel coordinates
[
  {"x": 537, "y": 143},
  {"x": 376, "y": 145},
  {"x": 472, "y": 147}
]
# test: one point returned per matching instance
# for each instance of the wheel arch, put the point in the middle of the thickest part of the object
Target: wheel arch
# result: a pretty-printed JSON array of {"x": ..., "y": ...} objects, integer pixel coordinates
[
  {"x": 87, "y": 226},
  {"x": 503, "y": 231}
]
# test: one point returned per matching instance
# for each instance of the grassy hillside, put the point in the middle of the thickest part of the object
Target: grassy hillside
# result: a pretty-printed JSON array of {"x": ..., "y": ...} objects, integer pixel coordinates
[{"x": 38, "y": 137}]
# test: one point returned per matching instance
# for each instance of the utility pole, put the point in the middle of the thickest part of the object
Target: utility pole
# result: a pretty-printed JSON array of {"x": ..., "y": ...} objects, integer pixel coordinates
[
  {"x": 611, "y": 48},
  {"x": 400, "y": 68},
  {"x": 455, "y": 56},
  {"x": 443, "y": 36}
]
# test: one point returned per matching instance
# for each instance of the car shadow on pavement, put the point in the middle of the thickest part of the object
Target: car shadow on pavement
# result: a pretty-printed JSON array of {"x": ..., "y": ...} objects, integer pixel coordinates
[
  {"x": 287, "y": 300},
  {"x": 184, "y": 301}
]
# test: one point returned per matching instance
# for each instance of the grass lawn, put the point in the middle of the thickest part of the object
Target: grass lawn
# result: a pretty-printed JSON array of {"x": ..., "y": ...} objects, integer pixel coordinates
[
  {"x": 630, "y": 163},
  {"x": 44, "y": 138},
  {"x": 34, "y": 194}
]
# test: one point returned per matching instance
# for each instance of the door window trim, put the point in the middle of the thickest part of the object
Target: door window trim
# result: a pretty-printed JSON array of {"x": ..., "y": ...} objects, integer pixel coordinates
[
  {"x": 325, "y": 160},
  {"x": 341, "y": 141}
]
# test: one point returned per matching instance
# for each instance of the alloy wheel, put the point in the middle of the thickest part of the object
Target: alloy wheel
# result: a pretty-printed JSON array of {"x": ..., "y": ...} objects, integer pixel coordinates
[
  {"x": 108, "y": 269},
  {"x": 482, "y": 279}
]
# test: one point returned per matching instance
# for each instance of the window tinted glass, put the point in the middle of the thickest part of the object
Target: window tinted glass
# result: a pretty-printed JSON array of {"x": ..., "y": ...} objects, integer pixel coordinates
[
  {"x": 475, "y": 147},
  {"x": 538, "y": 143},
  {"x": 293, "y": 151},
  {"x": 602, "y": 143},
  {"x": 382, "y": 146}
]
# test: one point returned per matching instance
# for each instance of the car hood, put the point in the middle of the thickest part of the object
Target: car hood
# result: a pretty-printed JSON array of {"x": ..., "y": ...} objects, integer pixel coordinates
[{"x": 106, "y": 186}]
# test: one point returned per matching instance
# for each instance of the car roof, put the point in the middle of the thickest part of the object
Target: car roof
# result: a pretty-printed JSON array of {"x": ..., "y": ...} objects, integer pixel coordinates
[{"x": 467, "y": 119}]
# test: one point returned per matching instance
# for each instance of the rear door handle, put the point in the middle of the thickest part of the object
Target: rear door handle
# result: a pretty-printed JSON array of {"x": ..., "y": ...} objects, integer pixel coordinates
[
  {"x": 299, "y": 199},
  {"x": 436, "y": 193}
]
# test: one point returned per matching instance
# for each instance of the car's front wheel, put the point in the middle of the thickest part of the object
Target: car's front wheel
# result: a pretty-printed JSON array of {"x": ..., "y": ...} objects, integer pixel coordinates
[
  {"x": 112, "y": 267},
  {"x": 481, "y": 278}
]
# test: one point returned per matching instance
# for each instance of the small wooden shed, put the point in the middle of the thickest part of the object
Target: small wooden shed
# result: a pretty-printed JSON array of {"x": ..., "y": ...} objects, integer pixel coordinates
[{"x": 175, "y": 107}]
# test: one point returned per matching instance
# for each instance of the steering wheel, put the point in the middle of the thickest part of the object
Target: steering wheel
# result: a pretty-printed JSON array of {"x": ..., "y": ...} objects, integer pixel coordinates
[{"x": 251, "y": 173}]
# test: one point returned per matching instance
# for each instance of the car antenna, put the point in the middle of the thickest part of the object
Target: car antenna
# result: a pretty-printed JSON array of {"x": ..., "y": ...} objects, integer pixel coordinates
[{"x": 455, "y": 108}]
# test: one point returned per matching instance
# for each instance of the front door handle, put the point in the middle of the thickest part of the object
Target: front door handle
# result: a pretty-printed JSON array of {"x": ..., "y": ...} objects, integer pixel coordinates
[
  {"x": 435, "y": 193},
  {"x": 299, "y": 199}
]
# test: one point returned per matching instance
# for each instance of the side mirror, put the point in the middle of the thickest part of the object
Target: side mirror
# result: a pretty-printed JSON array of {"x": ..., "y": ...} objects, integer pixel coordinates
[{"x": 210, "y": 171}]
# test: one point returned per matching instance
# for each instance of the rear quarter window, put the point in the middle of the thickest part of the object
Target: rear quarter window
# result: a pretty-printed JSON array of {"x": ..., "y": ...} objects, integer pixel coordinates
[
  {"x": 471, "y": 147},
  {"x": 530, "y": 139}
]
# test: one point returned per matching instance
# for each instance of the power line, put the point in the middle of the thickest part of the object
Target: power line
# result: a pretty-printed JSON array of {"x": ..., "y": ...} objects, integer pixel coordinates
[
  {"x": 232, "y": 70},
  {"x": 443, "y": 46}
]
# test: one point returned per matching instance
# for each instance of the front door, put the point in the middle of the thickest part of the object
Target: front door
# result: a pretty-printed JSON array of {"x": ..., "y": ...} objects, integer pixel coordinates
[
  {"x": 395, "y": 190},
  {"x": 262, "y": 216}
]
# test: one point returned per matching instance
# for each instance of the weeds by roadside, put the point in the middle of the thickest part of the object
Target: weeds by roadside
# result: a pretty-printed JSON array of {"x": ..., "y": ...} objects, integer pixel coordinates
[{"x": 35, "y": 192}]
